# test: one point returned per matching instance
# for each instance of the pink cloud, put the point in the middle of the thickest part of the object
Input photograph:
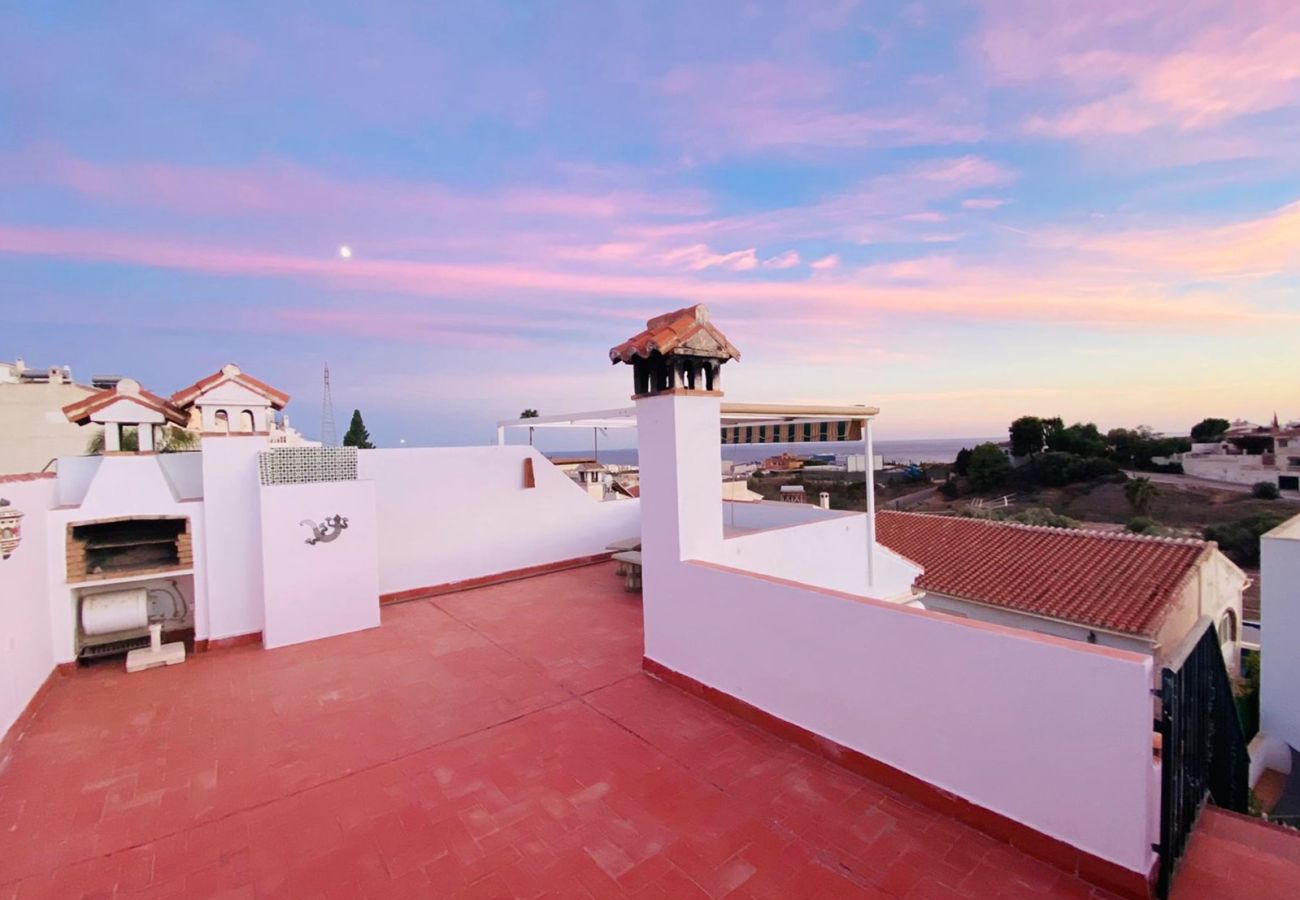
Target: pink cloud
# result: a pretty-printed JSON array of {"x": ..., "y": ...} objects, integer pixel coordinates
[
  {"x": 825, "y": 264},
  {"x": 275, "y": 188},
  {"x": 1127, "y": 69},
  {"x": 1076, "y": 295},
  {"x": 720, "y": 108},
  {"x": 787, "y": 260},
  {"x": 698, "y": 257},
  {"x": 983, "y": 202},
  {"x": 1268, "y": 245}
]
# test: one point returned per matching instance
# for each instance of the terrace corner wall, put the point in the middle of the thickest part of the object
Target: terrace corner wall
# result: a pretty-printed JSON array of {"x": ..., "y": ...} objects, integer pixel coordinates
[
  {"x": 451, "y": 514},
  {"x": 26, "y": 648},
  {"x": 1050, "y": 734}
]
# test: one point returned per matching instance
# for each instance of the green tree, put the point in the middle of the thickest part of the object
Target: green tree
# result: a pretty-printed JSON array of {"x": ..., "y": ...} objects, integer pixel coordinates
[
  {"x": 1052, "y": 429},
  {"x": 1265, "y": 490},
  {"x": 961, "y": 465},
  {"x": 1140, "y": 492},
  {"x": 128, "y": 442},
  {"x": 529, "y": 414},
  {"x": 1240, "y": 539},
  {"x": 1026, "y": 436},
  {"x": 357, "y": 435},
  {"x": 989, "y": 467},
  {"x": 1208, "y": 430}
]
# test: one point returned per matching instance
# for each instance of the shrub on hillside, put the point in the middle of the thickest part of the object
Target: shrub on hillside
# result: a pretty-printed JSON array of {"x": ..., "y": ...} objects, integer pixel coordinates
[
  {"x": 1041, "y": 515},
  {"x": 950, "y": 490},
  {"x": 1141, "y": 525},
  {"x": 1265, "y": 490},
  {"x": 1240, "y": 539}
]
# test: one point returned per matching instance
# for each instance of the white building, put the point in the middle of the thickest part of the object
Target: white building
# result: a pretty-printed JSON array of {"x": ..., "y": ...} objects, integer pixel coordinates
[
  {"x": 1248, "y": 455},
  {"x": 33, "y": 429}
]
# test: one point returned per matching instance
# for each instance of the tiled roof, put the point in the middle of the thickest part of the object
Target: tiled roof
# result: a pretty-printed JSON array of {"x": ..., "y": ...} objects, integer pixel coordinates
[
  {"x": 670, "y": 331},
  {"x": 81, "y": 411},
  {"x": 185, "y": 396},
  {"x": 26, "y": 476},
  {"x": 1119, "y": 583}
]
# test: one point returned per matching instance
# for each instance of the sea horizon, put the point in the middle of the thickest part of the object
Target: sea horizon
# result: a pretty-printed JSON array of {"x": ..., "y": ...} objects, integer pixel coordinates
[{"x": 930, "y": 450}]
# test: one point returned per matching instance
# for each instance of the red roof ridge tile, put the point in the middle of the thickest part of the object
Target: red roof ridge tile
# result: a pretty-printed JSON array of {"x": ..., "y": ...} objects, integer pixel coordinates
[
  {"x": 1075, "y": 532},
  {"x": 127, "y": 389}
]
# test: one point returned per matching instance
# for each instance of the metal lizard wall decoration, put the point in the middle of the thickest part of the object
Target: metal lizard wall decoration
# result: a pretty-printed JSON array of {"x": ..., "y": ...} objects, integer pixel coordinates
[{"x": 323, "y": 534}]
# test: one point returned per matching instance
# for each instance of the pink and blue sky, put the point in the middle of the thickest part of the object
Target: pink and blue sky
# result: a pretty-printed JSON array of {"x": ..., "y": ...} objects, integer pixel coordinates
[{"x": 960, "y": 211}]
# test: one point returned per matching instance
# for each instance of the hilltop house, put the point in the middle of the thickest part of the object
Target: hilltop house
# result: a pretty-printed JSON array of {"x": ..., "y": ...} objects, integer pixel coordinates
[{"x": 1248, "y": 454}]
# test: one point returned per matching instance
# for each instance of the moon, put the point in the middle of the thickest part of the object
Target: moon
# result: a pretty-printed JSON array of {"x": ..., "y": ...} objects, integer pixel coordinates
[{"x": 345, "y": 252}]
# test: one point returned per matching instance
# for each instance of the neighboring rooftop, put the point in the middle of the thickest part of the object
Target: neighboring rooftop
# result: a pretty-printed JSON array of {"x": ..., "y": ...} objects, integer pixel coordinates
[
  {"x": 230, "y": 373},
  {"x": 127, "y": 390},
  {"x": 510, "y": 745},
  {"x": 1120, "y": 583}
]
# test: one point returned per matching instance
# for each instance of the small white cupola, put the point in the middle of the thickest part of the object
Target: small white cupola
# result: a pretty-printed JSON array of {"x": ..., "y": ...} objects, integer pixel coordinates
[
  {"x": 125, "y": 405},
  {"x": 231, "y": 402}
]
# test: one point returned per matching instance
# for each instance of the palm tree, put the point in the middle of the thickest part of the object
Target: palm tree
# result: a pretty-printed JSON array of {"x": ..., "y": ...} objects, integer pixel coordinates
[{"x": 1140, "y": 493}]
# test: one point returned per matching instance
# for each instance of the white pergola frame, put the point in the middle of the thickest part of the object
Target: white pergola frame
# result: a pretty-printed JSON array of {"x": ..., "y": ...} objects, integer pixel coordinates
[{"x": 739, "y": 414}]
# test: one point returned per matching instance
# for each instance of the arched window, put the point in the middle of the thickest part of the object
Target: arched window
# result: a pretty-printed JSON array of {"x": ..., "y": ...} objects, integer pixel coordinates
[
  {"x": 222, "y": 419},
  {"x": 1228, "y": 627},
  {"x": 246, "y": 421}
]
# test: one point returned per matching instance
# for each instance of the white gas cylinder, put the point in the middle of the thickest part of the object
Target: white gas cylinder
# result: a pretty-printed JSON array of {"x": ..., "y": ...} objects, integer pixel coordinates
[{"x": 110, "y": 611}]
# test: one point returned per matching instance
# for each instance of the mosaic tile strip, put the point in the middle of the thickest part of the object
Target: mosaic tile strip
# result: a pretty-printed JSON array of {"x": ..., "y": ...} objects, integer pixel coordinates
[{"x": 303, "y": 465}]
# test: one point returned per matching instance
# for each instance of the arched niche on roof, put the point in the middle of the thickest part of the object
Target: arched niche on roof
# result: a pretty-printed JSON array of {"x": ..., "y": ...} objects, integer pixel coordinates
[{"x": 221, "y": 422}]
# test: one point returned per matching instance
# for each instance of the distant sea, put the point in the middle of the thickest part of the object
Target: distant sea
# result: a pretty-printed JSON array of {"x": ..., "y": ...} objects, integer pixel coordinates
[{"x": 935, "y": 450}]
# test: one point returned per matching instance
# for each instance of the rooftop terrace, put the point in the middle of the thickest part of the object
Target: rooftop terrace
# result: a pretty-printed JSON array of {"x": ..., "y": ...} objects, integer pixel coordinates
[{"x": 502, "y": 742}]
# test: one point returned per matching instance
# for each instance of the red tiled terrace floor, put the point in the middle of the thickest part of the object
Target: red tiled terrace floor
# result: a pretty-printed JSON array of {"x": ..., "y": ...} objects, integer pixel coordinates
[{"x": 501, "y": 742}]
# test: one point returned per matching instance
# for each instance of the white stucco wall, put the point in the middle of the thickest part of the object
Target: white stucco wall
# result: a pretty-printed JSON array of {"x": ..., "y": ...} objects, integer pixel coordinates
[
  {"x": 233, "y": 551},
  {"x": 453, "y": 513},
  {"x": 1279, "y": 697},
  {"x": 1053, "y": 734},
  {"x": 828, "y": 552},
  {"x": 318, "y": 590},
  {"x": 1011, "y": 619},
  {"x": 26, "y": 653}
]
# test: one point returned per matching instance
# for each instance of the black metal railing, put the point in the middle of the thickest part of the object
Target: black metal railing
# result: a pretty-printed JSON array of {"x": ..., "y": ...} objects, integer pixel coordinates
[{"x": 1203, "y": 748}]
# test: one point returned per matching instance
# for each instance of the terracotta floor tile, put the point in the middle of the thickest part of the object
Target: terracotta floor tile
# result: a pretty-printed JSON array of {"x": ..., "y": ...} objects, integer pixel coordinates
[{"x": 496, "y": 743}]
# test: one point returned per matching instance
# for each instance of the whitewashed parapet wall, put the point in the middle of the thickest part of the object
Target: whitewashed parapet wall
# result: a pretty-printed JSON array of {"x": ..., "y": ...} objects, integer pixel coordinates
[
  {"x": 1052, "y": 734},
  {"x": 450, "y": 514},
  {"x": 26, "y": 651}
]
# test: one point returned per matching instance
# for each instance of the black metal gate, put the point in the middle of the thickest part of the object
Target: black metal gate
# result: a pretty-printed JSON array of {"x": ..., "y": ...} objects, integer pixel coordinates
[{"x": 1203, "y": 748}]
